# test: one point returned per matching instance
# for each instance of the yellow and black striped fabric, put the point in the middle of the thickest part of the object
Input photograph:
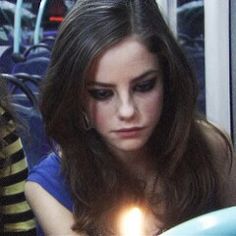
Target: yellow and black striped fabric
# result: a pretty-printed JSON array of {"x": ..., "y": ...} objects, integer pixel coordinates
[{"x": 16, "y": 215}]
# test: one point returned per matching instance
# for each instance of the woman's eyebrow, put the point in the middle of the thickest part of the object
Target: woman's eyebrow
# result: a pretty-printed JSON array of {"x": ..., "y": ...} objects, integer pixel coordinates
[
  {"x": 101, "y": 84},
  {"x": 136, "y": 79},
  {"x": 145, "y": 74}
]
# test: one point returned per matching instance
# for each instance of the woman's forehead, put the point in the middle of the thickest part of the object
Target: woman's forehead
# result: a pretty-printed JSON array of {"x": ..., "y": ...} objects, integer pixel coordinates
[{"x": 129, "y": 58}]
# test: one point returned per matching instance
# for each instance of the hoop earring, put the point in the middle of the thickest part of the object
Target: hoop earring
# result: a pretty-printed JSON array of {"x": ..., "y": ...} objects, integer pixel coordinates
[{"x": 87, "y": 123}]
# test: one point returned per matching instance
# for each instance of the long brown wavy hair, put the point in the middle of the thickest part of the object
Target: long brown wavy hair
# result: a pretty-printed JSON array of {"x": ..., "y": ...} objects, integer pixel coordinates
[{"x": 98, "y": 181}]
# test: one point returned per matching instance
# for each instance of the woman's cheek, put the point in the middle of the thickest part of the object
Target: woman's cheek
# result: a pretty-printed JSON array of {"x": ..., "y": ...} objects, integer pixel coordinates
[{"x": 100, "y": 115}]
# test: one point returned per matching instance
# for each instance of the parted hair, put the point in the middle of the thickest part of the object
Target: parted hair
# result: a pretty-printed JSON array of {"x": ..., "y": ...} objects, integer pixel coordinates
[{"x": 181, "y": 153}]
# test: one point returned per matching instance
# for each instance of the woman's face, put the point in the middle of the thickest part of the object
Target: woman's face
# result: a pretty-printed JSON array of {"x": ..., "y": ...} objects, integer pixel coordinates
[{"x": 125, "y": 96}]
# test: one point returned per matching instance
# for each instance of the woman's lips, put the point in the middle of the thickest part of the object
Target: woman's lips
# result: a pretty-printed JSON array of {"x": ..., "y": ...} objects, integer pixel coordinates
[{"x": 129, "y": 132}]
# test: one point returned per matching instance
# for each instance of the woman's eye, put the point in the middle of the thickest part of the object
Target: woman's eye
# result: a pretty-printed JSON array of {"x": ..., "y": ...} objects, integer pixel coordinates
[
  {"x": 145, "y": 86},
  {"x": 100, "y": 94}
]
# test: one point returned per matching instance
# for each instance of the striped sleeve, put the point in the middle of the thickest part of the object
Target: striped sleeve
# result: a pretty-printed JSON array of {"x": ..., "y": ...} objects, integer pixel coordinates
[{"x": 17, "y": 217}]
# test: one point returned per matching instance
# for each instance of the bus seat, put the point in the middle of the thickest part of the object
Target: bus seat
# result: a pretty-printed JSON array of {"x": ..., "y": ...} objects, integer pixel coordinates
[
  {"x": 33, "y": 66},
  {"x": 35, "y": 143},
  {"x": 6, "y": 60}
]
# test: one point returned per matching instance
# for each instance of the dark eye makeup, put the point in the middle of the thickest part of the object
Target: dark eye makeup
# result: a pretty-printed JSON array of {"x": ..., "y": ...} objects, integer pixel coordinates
[
  {"x": 145, "y": 86},
  {"x": 100, "y": 94}
]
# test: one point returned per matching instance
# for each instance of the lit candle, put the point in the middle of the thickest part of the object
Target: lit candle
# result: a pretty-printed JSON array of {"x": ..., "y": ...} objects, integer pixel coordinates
[{"x": 131, "y": 222}]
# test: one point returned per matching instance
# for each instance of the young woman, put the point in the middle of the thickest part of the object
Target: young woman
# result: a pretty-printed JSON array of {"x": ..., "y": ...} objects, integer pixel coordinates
[
  {"x": 16, "y": 217},
  {"x": 119, "y": 103}
]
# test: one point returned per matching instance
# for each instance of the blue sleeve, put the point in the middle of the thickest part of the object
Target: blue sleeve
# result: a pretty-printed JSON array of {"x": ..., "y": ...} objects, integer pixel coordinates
[{"x": 48, "y": 175}]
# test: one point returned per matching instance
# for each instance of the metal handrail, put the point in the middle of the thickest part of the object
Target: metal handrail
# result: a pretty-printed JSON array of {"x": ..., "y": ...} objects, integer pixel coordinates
[
  {"x": 17, "y": 27},
  {"x": 38, "y": 21}
]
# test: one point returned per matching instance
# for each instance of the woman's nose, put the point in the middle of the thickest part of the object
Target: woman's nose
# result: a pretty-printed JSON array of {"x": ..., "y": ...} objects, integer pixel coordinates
[{"x": 126, "y": 109}]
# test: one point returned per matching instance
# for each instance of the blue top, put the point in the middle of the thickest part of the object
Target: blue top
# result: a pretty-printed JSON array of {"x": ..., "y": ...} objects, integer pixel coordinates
[{"x": 49, "y": 176}]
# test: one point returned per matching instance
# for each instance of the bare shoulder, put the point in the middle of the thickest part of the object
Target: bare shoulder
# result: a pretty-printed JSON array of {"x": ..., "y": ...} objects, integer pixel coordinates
[
  {"x": 52, "y": 216},
  {"x": 218, "y": 140},
  {"x": 223, "y": 156}
]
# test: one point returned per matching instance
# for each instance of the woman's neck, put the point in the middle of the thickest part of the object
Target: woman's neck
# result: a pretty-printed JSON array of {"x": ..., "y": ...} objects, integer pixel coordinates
[{"x": 137, "y": 162}]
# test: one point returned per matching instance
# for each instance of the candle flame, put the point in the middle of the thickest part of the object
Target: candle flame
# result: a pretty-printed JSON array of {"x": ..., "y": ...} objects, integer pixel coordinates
[{"x": 131, "y": 222}]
